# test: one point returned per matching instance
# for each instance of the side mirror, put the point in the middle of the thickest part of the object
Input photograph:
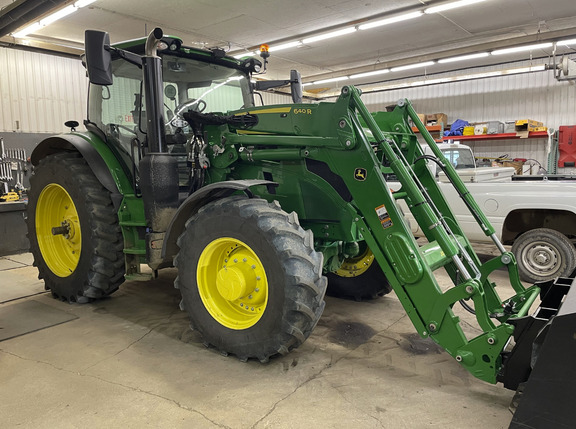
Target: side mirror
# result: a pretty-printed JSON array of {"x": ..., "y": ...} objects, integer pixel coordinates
[
  {"x": 98, "y": 58},
  {"x": 296, "y": 86}
]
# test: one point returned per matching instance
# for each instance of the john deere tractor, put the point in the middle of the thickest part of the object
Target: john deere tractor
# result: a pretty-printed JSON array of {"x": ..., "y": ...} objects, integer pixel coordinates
[{"x": 262, "y": 208}]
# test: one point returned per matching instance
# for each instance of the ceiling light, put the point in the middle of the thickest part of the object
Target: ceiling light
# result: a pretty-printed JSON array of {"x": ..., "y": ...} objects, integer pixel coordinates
[
  {"x": 370, "y": 73},
  {"x": 82, "y": 3},
  {"x": 284, "y": 46},
  {"x": 412, "y": 66},
  {"x": 391, "y": 20},
  {"x": 463, "y": 57},
  {"x": 27, "y": 30},
  {"x": 330, "y": 35},
  {"x": 567, "y": 42},
  {"x": 334, "y": 79},
  {"x": 245, "y": 54},
  {"x": 308, "y": 84},
  {"x": 58, "y": 15},
  {"x": 521, "y": 48},
  {"x": 453, "y": 5}
]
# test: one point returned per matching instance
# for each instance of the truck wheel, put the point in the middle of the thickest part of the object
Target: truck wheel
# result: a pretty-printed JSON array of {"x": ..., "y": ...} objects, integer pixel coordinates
[
  {"x": 250, "y": 278},
  {"x": 359, "y": 278},
  {"x": 544, "y": 254},
  {"x": 73, "y": 229}
]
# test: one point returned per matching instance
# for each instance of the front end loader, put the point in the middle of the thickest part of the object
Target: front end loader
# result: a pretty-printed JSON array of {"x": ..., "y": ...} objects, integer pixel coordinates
[{"x": 261, "y": 209}]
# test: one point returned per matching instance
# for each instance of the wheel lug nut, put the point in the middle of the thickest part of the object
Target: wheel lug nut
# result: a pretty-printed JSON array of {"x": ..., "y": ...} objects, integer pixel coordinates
[
  {"x": 253, "y": 267},
  {"x": 235, "y": 261},
  {"x": 244, "y": 260}
]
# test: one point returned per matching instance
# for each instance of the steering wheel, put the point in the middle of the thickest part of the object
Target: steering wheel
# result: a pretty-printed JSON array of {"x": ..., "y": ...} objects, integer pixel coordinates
[{"x": 197, "y": 105}]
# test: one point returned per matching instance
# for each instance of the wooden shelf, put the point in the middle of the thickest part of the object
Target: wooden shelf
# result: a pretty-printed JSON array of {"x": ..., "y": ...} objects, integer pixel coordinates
[
  {"x": 432, "y": 129},
  {"x": 508, "y": 136}
]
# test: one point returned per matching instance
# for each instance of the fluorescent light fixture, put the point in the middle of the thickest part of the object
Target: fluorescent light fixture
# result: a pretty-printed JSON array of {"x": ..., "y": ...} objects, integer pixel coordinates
[
  {"x": 58, "y": 15},
  {"x": 284, "y": 46},
  {"x": 245, "y": 54},
  {"x": 391, "y": 20},
  {"x": 431, "y": 81},
  {"x": 453, "y": 5},
  {"x": 567, "y": 42},
  {"x": 463, "y": 57},
  {"x": 330, "y": 35},
  {"x": 521, "y": 48},
  {"x": 334, "y": 79},
  {"x": 435, "y": 81},
  {"x": 412, "y": 66},
  {"x": 82, "y": 3},
  {"x": 308, "y": 84},
  {"x": 370, "y": 73},
  {"x": 27, "y": 30}
]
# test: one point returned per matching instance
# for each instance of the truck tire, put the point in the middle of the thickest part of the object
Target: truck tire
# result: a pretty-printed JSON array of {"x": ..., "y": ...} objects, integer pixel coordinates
[
  {"x": 359, "y": 278},
  {"x": 82, "y": 259},
  {"x": 250, "y": 278},
  {"x": 544, "y": 254}
]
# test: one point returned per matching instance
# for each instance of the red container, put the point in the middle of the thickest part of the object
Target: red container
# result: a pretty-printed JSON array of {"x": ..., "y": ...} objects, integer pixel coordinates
[{"x": 567, "y": 146}]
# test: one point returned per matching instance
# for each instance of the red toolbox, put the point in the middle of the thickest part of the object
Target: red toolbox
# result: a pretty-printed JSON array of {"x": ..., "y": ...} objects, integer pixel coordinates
[{"x": 567, "y": 146}]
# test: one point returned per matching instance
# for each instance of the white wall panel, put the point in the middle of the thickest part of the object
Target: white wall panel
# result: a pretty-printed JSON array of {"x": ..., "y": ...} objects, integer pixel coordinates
[
  {"x": 39, "y": 92},
  {"x": 273, "y": 98},
  {"x": 537, "y": 96}
]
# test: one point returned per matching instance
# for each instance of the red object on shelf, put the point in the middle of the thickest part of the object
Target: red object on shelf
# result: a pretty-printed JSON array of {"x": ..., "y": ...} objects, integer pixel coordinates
[
  {"x": 506, "y": 136},
  {"x": 567, "y": 146}
]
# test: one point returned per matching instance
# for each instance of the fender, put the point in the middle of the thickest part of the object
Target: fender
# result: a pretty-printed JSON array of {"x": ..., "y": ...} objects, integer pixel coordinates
[
  {"x": 198, "y": 199},
  {"x": 106, "y": 167}
]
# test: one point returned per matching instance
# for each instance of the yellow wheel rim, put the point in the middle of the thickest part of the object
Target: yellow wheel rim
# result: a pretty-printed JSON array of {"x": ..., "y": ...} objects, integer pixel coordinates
[
  {"x": 232, "y": 283},
  {"x": 61, "y": 249},
  {"x": 356, "y": 266}
]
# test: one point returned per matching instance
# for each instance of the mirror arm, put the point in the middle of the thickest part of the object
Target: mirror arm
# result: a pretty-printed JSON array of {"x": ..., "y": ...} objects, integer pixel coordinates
[{"x": 126, "y": 55}]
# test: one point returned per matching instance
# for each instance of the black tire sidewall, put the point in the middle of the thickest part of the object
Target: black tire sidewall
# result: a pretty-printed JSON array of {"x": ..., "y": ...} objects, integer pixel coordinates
[
  {"x": 74, "y": 284},
  {"x": 269, "y": 327},
  {"x": 370, "y": 284}
]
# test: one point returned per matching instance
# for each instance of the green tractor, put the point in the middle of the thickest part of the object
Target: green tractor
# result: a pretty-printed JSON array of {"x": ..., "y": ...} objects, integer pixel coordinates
[{"x": 262, "y": 208}]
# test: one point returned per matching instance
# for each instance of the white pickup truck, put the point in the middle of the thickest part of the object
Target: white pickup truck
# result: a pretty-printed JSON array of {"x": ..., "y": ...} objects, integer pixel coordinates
[{"x": 536, "y": 215}]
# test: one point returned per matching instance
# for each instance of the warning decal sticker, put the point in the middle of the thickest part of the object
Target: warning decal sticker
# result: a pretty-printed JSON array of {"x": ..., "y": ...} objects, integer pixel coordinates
[{"x": 385, "y": 220}]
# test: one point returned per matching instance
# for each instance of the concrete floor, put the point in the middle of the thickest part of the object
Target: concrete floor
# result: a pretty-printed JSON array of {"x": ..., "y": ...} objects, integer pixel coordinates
[{"x": 131, "y": 361}]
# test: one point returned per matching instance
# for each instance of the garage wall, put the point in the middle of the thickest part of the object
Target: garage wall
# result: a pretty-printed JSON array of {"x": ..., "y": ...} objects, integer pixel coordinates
[
  {"x": 39, "y": 92},
  {"x": 537, "y": 96}
]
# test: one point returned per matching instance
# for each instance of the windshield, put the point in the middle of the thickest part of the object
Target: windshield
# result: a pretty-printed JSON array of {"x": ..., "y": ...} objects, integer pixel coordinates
[
  {"x": 119, "y": 109},
  {"x": 460, "y": 158}
]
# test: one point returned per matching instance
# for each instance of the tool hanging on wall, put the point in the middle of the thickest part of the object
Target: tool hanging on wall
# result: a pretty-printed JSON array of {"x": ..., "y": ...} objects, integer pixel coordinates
[{"x": 12, "y": 170}]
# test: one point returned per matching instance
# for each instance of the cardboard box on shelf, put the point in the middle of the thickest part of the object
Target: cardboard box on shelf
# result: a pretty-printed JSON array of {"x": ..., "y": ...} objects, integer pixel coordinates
[
  {"x": 436, "y": 119},
  {"x": 527, "y": 125}
]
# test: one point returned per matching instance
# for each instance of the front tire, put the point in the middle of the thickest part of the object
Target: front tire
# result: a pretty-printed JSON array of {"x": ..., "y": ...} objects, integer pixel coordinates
[
  {"x": 250, "y": 278},
  {"x": 359, "y": 278},
  {"x": 544, "y": 254},
  {"x": 73, "y": 230}
]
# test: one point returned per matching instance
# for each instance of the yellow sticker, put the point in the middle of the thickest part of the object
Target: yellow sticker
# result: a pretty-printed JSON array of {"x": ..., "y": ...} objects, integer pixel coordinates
[{"x": 383, "y": 216}]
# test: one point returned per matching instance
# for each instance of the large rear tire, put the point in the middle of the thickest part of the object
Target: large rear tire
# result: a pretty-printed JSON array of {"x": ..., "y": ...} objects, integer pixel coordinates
[
  {"x": 544, "y": 254},
  {"x": 250, "y": 278},
  {"x": 359, "y": 278},
  {"x": 73, "y": 230}
]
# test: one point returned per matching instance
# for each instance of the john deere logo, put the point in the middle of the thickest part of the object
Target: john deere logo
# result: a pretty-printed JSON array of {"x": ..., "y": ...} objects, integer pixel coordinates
[{"x": 360, "y": 174}]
